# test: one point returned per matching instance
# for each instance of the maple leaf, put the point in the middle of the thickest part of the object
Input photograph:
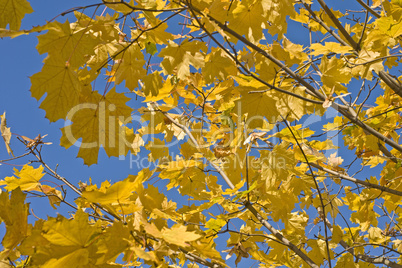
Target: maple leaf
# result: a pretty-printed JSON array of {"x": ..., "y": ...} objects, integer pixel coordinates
[
  {"x": 334, "y": 73},
  {"x": 26, "y": 179},
  {"x": 178, "y": 235},
  {"x": 159, "y": 35},
  {"x": 35, "y": 29},
  {"x": 163, "y": 92},
  {"x": 128, "y": 67},
  {"x": 97, "y": 123},
  {"x": 329, "y": 47},
  {"x": 366, "y": 65},
  {"x": 218, "y": 65},
  {"x": 12, "y": 12},
  {"x": 17, "y": 221},
  {"x": 334, "y": 161},
  {"x": 257, "y": 106},
  {"x": 122, "y": 8},
  {"x": 178, "y": 58},
  {"x": 55, "y": 197},
  {"x": 249, "y": 18},
  {"x": 62, "y": 86},
  {"x": 215, "y": 71},
  {"x": 70, "y": 44},
  {"x": 158, "y": 150},
  {"x": 152, "y": 84},
  {"x": 113, "y": 242},
  {"x": 118, "y": 193},
  {"x": 75, "y": 232}
]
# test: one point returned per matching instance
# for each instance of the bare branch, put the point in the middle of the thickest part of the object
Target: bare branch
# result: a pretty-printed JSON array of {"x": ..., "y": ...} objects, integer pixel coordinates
[{"x": 360, "y": 182}]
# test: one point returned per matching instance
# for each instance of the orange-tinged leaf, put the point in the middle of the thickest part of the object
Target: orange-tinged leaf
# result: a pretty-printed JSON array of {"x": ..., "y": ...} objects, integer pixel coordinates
[
  {"x": 54, "y": 195},
  {"x": 178, "y": 235},
  {"x": 12, "y": 12},
  {"x": 27, "y": 179}
]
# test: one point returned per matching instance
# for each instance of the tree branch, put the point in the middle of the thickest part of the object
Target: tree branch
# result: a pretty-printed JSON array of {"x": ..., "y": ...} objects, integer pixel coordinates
[
  {"x": 368, "y": 8},
  {"x": 391, "y": 82},
  {"x": 339, "y": 25},
  {"x": 357, "y": 181}
]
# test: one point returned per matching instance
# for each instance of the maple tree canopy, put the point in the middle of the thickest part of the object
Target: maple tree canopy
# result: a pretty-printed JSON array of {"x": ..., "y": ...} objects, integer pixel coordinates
[{"x": 227, "y": 91}]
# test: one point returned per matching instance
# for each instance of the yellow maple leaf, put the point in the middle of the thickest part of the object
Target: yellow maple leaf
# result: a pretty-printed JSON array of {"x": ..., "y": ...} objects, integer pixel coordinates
[
  {"x": 76, "y": 232},
  {"x": 366, "y": 64},
  {"x": 329, "y": 47},
  {"x": 218, "y": 65},
  {"x": 178, "y": 58},
  {"x": 159, "y": 35},
  {"x": 27, "y": 179},
  {"x": 62, "y": 86},
  {"x": 257, "y": 106},
  {"x": 67, "y": 41},
  {"x": 152, "y": 83},
  {"x": 249, "y": 18},
  {"x": 178, "y": 235},
  {"x": 129, "y": 67},
  {"x": 122, "y": 8},
  {"x": 15, "y": 33},
  {"x": 97, "y": 122},
  {"x": 118, "y": 193},
  {"x": 12, "y": 12},
  {"x": 164, "y": 91},
  {"x": 74, "y": 259},
  {"x": 14, "y": 213},
  {"x": 158, "y": 149}
]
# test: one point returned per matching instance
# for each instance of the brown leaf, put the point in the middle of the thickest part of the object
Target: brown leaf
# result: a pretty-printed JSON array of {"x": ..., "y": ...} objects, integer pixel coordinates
[{"x": 6, "y": 133}]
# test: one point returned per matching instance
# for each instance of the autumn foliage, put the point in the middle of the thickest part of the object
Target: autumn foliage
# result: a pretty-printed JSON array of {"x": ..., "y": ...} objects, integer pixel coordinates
[{"x": 226, "y": 91}]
